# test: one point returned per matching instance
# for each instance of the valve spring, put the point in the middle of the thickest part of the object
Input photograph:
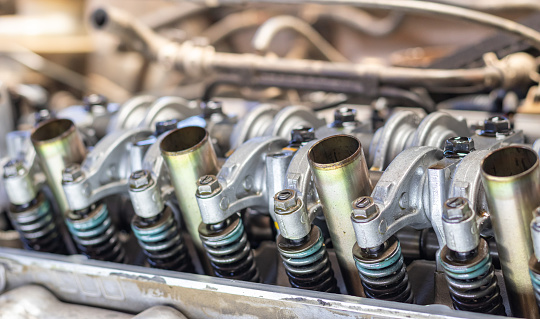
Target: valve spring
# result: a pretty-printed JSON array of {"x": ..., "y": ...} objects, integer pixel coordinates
[
  {"x": 162, "y": 243},
  {"x": 229, "y": 250},
  {"x": 95, "y": 234},
  {"x": 37, "y": 227},
  {"x": 472, "y": 282},
  {"x": 307, "y": 264},
  {"x": 383, "y": 272}
]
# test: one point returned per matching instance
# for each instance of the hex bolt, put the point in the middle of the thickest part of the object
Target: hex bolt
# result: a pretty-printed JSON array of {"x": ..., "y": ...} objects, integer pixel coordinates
[
  {"x": 95, "y": 99},
  {"x": 71, "y": 173},
  {"x": 43, "y": 115},
  {"x": 363, "y": 208},
  {"x": 14, "y": 168},
  {"x": 165, "y": 126},
  {"x": 456, "y": 210},
  {"x": 211, "y": 107},
  {"x": 302, "y": 134},
  {"x": 458, "y": 146},
  {"x": 285, "y": 200},
  {"x": 496, "y": 125},
  {"x": 207, "y": 185},
  {"x": 140, "y": 179},
  {"x": 345, "y": 115}
]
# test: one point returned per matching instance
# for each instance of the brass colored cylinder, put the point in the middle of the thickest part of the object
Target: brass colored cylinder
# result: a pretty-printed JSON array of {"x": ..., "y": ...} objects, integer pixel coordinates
[
  {"x": 58, "y": 144},
  {"x": 341, "y": 175},
  {"x": 189, "y": 155},
  {"x": 511, "y": 177}
]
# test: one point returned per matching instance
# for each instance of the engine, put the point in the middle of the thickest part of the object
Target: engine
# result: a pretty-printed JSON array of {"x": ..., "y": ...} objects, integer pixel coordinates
[{"x": 270, "y": 159}]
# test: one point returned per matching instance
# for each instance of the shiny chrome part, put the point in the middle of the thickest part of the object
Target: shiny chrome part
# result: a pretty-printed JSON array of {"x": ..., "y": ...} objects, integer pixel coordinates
[
  {"x": 340, "y": 174},
  {"x": 511, "y": 177},
  {"x": 189, "y": 155},
  {"x": 57, "y": 144}
]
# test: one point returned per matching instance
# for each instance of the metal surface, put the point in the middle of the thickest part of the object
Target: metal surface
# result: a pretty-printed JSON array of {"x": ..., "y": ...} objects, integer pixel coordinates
[
  {"x": 114, "y": 286},
  {"x": 511, "y": 178},
  {"x": 57, "y": 144},
  {"x": 340, "y": 174},
  {"x": 243, "y": 181},
  {"x": 105, "y": 171},
  {"x": 188, "y": 154}
]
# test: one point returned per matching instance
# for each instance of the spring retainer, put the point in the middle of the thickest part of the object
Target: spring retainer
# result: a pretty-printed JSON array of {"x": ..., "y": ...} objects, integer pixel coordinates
[
  {"x": 472, "y": 282},
  {"x": 161, "y": 241},
  {"x": 95, "y": 235},
  {"x": 37, "y": 227},
  {"x": 307, "y": 264},
  {"x": 229, "y": 250},
  {"x": 383, "y": 274}
]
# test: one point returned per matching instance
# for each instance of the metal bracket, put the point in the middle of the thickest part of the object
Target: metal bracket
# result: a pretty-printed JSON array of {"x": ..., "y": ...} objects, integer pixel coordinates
[
  {"x": 242, "y": 180},
  {"x": 105, "y": 170}
]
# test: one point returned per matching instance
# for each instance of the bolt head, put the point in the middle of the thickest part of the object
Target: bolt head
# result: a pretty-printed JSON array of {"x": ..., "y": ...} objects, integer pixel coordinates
[
  {"x": 71, "y": 173},
  {"x": 456, "y": 209},
  {"x": 140, "y": 179},
  {"x": 95, "y": 99},
  {"x": 43, "y": 115},
  {"x": 302, "y": 134},
  {"x": 14, "y": 168},
  {"x": 285, "y": 200},
  {"x": 364, "y": 208},
  {"x": 207, "y": 185},
  {"x": 165, "y": 126},
  {"x": 211, "y": 107},
  {"x": 458, "y": 146},
  {"x": 345, "y": 115},
  {"x": 496, "y": 125}
]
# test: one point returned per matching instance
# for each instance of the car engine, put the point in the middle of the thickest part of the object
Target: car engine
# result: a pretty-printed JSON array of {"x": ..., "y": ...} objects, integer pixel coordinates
[{"x": 269, "y": 159}]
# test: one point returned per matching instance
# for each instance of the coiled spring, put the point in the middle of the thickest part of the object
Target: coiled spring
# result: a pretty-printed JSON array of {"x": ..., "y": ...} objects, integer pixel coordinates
[
  {"x": 307, "y": 265},
  {"x": 229, "y": 250},
  {"x": 383, "y": 272},
  {"x": 472, "y": 282},
  {"x": 37, "y": 227},
  {"x": 95, "y": 234},
  {"x": 162, "y": 242}
]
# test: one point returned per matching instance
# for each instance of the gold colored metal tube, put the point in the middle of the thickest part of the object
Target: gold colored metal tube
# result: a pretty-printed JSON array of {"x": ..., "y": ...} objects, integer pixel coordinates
[
  {"x": 58, "y": 144},
  {"x": 341, "y": 175},
  {"x": 511, "y": 177},
  {"x": 189, "y": 155}
]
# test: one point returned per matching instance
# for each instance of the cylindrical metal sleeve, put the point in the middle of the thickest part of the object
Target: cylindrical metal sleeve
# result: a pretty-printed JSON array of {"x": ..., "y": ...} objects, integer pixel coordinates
[
  {"x": 511, "y": 178},
  {"x": 57, "y": 143},
  {"x": 341, "y": 175},
  {"x": 189, "y": 155}
]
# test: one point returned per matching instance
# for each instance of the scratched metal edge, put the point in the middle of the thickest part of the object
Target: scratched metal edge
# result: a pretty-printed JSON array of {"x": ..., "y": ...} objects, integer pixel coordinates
[{"x": 195, "y": 295}]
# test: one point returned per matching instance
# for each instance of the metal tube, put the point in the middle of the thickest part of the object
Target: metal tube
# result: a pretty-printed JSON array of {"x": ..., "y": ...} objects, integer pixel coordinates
[
  {"x": 189, "y": 154},
  {"x": 341, "y": 175},
  {"x": 511, "y": 177},
  {"x": 58, "y": 144}
]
